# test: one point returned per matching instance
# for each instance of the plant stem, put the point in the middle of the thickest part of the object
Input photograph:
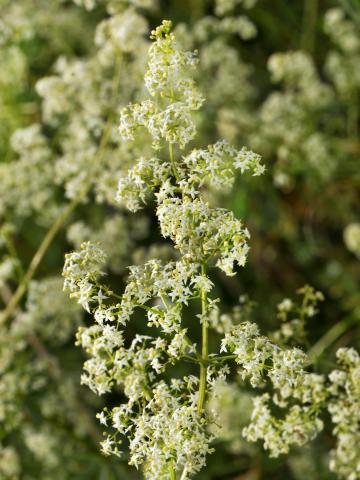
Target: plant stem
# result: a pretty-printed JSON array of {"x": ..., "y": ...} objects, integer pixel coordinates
[
  {"x": 172, "y": 471},
  {"x": 171, "y": 154},
  {"x": 13, "y": 253},
  {"x": 183, "y": 475},
  {"x": 331, "y": 336},
  {"x": 204, "y": 347},
  {"x": 15, "y": 299},
  {"x": 352, "y": 9},
  {"x": 171, "y": 148},
  {"x": 223, "y": 357}
]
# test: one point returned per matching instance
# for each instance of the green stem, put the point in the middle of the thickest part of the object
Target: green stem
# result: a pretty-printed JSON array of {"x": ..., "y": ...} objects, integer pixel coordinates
[
  {"x": 330, "y": 337},
  {"x": 172, "y": 471},
  {"x": 183, "y": 475},
  {"x": 221, "y": 358},
  {"x": 13, "y": 253},
  {"x": 171, "y": 148},
  {"x": 204, "y": 348},
  {"x": 171, "y": 154},
  {"x": 15, "y": 299},
  {"x": 352, "y": 9}
]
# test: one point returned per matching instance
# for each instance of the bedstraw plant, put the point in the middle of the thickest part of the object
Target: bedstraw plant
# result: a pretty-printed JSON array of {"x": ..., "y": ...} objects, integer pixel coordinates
[{"x": 165, "y": 419}]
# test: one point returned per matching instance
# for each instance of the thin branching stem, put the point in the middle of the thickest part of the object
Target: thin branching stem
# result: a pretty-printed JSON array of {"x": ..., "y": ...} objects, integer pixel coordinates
[
  {"x": 172, "y": 160},
  {"x": 331, "y": 336},
  {"x": 35, "y": 262},
  {"x": 172, "y": 471},
  {"x": 204, "y": 346}
]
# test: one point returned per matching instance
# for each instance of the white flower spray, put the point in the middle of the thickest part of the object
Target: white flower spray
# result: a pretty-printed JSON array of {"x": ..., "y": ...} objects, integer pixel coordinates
[
  {"x": 164, "y": 422},
  {"x": 164, "y": 419}
]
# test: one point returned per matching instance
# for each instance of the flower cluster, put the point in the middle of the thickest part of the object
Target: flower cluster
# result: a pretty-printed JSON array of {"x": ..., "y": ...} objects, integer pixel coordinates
[
  {"x": 27, "y": 183},
  {"x": 216, "y": 165},
  {"x": 49, "y": 312},
  {"x": 165, "y": 422},
  {"x": 175, "y": 96},
  {"x": 341, "y": 64},
  {"x": 225, "y": 6},
  {"x": 81, "y": 271},
  {"x": 294, "y": 316},
  {"x": 201, "y": 232},
  {"x": 352, "y": 238},
  {"x": 344, "y": 408},
  {"x": 239, "y": 25},
  {"x": 121, "y": 32},
  {"x": 170, "y": 430},
  {"x": 141, "y": 180},
  {"x": 285, "y": 124},
  {"x": 259, "y": 358},
  {"x": 136, "y": 368},
  {"x": 117, "y": 235}
]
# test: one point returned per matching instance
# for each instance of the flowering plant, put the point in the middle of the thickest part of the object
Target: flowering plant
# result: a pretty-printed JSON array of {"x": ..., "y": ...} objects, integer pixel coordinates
[
  {"x": 68, "y": 180},
  {"x": 165, "y": 418}
]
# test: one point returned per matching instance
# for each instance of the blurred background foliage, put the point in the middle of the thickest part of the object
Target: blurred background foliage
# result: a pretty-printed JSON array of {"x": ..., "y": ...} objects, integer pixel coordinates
[{"x": 282, "y": 78}]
